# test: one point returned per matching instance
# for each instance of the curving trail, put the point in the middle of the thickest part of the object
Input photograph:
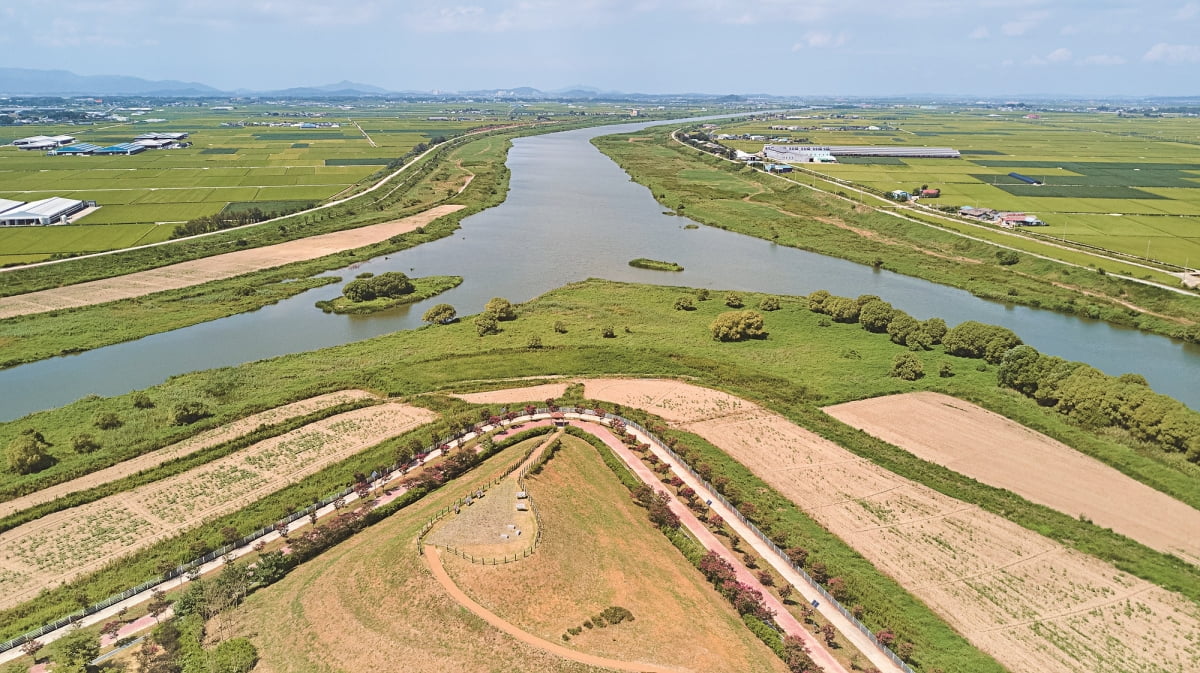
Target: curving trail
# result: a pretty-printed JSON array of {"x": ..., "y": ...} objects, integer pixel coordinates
[{"x": 434, "y": 559}]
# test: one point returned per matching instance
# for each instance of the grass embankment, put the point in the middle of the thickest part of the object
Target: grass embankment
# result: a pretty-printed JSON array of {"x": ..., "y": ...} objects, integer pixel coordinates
[
  {"x": 371, "y": 604},
  {"x": 737, "y": 198},
  {"x": 654, "y": 264},
  {"x": 423, "y": 288},
  {"x": 800, "y": 367},
  {"x": 599, "y": 550}
]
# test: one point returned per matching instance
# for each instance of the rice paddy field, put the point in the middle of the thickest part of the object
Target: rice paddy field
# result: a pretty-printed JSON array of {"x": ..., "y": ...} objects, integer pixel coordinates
[
  {"x": 1127, "y": 184},
  {"x": 239, "y": 159}
]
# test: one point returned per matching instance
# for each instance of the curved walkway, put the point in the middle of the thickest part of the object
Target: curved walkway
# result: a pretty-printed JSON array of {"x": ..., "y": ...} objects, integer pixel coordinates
[{"x": 434, "y": 559}]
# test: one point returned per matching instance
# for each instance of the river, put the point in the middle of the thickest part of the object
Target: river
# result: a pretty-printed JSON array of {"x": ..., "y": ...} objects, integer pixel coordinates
[{"x": 573, "y": 214}]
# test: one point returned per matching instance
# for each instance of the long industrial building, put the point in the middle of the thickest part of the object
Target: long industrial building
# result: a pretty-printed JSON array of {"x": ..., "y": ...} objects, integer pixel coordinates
[
  {"x": 817, "y": 154},
  {"x": 54, "y": 210}
]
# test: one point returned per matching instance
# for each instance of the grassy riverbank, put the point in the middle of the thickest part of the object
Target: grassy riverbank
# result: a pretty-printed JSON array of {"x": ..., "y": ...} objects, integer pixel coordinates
[
  {"x": 800, "y": 367},
  {"x": 731, "y": 196}
]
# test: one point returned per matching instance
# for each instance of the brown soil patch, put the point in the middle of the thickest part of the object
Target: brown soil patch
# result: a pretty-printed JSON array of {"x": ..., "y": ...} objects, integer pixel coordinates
[
  {"x": 61, "y": 546},
  {"x": 217, "y": 267},
  {"x": 1033, "y": 604},
  {"x": 514, "y": 395},
  {"x": 188, "y": 446},
  {"x": 989, "y": 447}
]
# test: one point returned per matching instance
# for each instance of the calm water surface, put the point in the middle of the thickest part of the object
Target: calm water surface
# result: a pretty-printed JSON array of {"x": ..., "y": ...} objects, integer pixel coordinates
[{"x": 573, "y": 214}]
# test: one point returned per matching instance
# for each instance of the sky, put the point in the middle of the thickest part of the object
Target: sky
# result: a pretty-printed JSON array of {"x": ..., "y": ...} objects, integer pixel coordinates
[{"x": 985, "y": 48}]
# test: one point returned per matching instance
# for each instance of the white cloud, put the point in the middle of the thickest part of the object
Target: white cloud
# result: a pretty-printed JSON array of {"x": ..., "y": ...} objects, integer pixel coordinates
[
  {"x": 1023, "y": 25},
  {"x": 1102, "y": 59},
  {"x": 1173, "y": 53},
  {"x": 818, "y": 39},
  {"x": 980, "y": 33},
  {"x": 1188, "y": 12},
  {"x": 1060, "y": 55}
]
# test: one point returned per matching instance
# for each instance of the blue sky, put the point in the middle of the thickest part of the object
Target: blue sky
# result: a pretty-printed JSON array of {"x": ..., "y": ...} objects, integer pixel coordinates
[{"x": 800, "y": 47}]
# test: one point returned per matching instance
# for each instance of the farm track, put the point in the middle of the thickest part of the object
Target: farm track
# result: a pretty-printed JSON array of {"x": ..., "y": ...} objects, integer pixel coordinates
[
  {"x": 1033, "y": 604},
  {"x": 62, "y": 546},
  {"x": 204, "y": 440},
  {"x": 217, "y": 267}
]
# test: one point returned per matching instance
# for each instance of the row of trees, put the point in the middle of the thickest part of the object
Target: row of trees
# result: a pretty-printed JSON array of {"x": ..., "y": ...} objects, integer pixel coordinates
[
  {"x": 223, "y": 220},
  {"x": 1096, "y": 400},
  {"x": 877, "y": 315}
]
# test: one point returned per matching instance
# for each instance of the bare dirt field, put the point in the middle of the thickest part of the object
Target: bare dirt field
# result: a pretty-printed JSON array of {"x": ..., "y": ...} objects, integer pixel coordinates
[
  {"x": 599, "y": 550},
  {"x": 217, "y": 267},
  {"x": 61, "y": 546},
  {"x": 989, "y": 447},
  {"x": 511, "y": 395},
  {"x": 1031, "y": 603},
  {"x": 188, "y": 446}
]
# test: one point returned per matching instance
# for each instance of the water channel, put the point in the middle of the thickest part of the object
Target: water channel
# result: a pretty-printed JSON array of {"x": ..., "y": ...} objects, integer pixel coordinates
[{"x": 573, "y": 214}]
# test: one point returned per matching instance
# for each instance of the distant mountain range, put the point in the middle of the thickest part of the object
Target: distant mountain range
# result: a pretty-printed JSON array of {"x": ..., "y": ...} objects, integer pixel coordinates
[{"x": 30, "y": 82}]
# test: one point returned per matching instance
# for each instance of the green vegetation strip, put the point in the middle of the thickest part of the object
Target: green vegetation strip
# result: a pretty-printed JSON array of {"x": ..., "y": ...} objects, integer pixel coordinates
[{"x": 654, "y": 264}]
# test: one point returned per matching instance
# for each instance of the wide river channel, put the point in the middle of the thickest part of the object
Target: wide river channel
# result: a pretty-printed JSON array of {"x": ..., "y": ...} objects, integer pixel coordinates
[{"x": 573, "y": 214}]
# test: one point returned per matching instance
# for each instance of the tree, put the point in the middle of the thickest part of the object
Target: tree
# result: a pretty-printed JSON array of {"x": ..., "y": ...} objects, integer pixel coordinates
[
  {"x": 769, "y": 304},
  {"x": 1007, "y": 257},
  {"x": 973, "y": 339},
  {"x": 734, "y": 300},
  {"x": 1021, "y": 369},
  {"x": 935, "y": 329},
  {"x": 84, "y": 443},
  {"x": 142, "y": 401},
  {"x": 107, "y": 421},
  {"x": 27, "y": 455},
  {"x": 501, "y": 308},
  {"x": 440, "y": 315},
  {"x": 485, "y": 323},
  {"x": 738, "y": 325},
  {"x": 817, "y": 301},
  {"x": 74, "y": 651},
  {"x": 908, "y": 367},
  {"x": 187, "y": 413},
  {"x": 946, "y": 370},
  {"x": 796, "y": 656},
  {"x": 830, "y": 634},
  {"x": 391, "y": 284},
  {"x": 874, "y": 315},
  {"x": 158, "y": 604},
  {"x": 842, "y": 309},
  {"x": 684, "y": 303},
  {"x": 32, "y": 647},
  {"x": 901, "y": 327}
]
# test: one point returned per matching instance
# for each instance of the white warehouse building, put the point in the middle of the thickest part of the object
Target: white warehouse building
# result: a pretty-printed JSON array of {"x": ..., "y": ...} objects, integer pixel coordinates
[{"x": 54, "y": 210}]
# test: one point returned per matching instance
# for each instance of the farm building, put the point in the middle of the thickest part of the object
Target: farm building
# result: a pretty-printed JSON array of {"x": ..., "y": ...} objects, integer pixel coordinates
[
  {"x": 780, "y": 152},
  {"x": 77, "y": 150},
  {"x": 777, "y": 168},
  {"x": 1010, "y": 220},
  {"x": 43, "y": 142},
  {"x": 160, "y": 136},
  {"x": 153, "y": 144},
  {"x": 899, "y": 195},
  {"x": 54, "y": 210},
  {"x": 800, "y": 154},
  {"x": 1025, "y": 178},
  {"x": 930, "y": 193},
  {"x": 978, "y": 213},
  {"x": 125, "y": 149}
]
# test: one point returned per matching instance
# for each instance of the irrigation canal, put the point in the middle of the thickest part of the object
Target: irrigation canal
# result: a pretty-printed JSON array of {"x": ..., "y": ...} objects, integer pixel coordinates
[{"x": 573, "y": 214}]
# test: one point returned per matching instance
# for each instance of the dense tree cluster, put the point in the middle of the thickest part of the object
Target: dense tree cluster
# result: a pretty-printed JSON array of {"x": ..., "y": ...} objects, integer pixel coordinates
[
  {"x": 876, "y": 315},
  {"x": 387, "y": 285},
  {"x": 220, "y": 221},
  {"x": 738, "y": 325},
  {"x": 974, "y": 339},
  {"x": 1096, "y": 400}
]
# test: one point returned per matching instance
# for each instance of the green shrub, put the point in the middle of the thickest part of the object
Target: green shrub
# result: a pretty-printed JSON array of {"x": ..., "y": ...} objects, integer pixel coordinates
[
  {"x": 486, "y": 323},
  {"x": 769, "y": 304},
  {"x": 440, "y": 314},
  {"x": 737, "y": 326},
  {"x": 84, "y": 443},
  {"x": 684, "y": 304},
  {"x": 908, "y": 367},
  {"x": 501, "y": 308}
]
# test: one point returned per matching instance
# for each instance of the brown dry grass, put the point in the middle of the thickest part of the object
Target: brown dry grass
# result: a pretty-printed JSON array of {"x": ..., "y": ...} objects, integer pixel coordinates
[
  {"x": 598, "y": 550},
  {"x": 1031, "y": 603},
  {"x": 61, "y": 546},
  {"x": 512, "y": 395},
  {"x": 201, "y": 441},
  {"x": 371, "y": 604},
  {"x": 988, "y": 447},
  {"x": 217, "y": 267}
]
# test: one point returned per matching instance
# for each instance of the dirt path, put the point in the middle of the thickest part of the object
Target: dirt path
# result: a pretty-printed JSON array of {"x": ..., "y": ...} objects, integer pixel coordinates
[
  {"x": 217, "y": 267},
  {"x": 188, "y": 446},
  {"x": 989, "y": 447},
  {"x": 433, "y": 558}
]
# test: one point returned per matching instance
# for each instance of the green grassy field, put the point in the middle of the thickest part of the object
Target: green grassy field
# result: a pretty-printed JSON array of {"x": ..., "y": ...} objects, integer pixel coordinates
[{"x": 1144, "y": 169}]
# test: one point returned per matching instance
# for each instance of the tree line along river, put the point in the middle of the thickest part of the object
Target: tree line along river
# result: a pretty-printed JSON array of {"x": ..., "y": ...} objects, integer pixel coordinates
[{"x": 573, "y": 214}]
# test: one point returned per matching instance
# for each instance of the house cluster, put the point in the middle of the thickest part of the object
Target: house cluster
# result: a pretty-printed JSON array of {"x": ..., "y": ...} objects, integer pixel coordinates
[
  {"x": 1003, "y": 219},
  {"x": 921, "y": 193}
]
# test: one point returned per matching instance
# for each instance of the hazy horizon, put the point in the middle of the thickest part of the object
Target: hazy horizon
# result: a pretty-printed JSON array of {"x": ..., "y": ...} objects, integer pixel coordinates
[{"x": 1069, "y": 48}]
